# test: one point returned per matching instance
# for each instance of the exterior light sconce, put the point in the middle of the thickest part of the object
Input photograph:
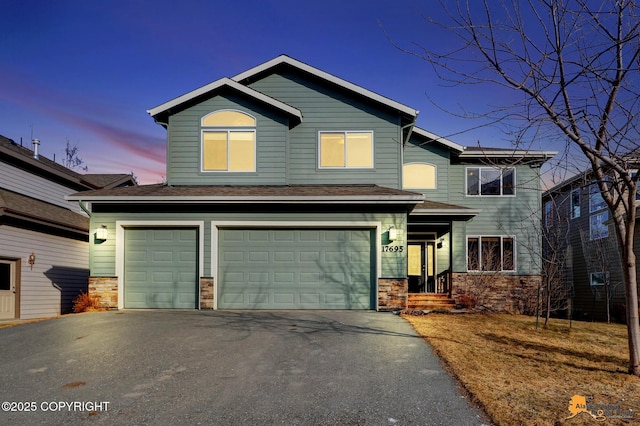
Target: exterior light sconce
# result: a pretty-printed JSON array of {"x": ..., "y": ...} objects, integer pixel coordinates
[
  {"x": 393, "y": 233},
  {"x": 440, "y": 243},
  {"x": 32, "y": 260},
  {"x": 102, "y": 233}
]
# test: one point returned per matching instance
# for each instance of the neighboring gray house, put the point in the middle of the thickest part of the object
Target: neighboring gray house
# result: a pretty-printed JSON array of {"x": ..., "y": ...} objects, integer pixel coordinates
[
  {"x": 290, "y": 188},
  {"x": 577, "y": 221},
  {"x": 44, "y": 239}
]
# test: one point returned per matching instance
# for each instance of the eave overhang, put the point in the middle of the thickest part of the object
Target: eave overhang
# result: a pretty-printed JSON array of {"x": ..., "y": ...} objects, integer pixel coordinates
[
  {"x": 161, "y": 110},
  {"x": 438, "y": 139}
]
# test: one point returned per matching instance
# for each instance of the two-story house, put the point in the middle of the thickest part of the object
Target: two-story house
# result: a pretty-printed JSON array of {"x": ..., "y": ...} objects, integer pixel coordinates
[
  {"x": 44, "y": 239},
  {"x": 580, "y": 237},
  {"x": 291, "y": 188}
]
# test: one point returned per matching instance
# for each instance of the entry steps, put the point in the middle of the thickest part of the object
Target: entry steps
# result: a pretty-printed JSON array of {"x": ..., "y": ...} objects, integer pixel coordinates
[{"x": 430, "y": 302}]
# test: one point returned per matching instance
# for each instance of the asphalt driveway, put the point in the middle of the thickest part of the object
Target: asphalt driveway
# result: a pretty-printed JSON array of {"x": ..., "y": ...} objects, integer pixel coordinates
[{"x": 225, "y": 368}]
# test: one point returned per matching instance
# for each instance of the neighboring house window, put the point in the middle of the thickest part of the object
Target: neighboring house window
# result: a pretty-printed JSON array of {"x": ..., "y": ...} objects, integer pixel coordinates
[
  {"x": 548, "y": 214},
  {"x": 575, "y": 203},
  {"x": 346, "y": 150},
  {"x": 484, "y": 181},
  {"x": 419, "y": 176},
  {"x": 597, "y": 225},
  {"x": 228, "y": 142},
  {"x": 491, "y": 253},
  {"x": 596, "y": 202},
  {"x": 598, "y": 278}
]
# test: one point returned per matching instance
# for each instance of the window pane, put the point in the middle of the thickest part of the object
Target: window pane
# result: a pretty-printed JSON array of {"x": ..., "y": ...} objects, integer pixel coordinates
[
  {"x": 242, "y": 152},
  {"x": 228, "y": 119},
  {"x": 490, "y": 182},
  {"x": 420, "y": 176},
  {"x": 575, "y": 203},
  {"x": 332, "y": 150},
  {"x": 359, "y": 150},
  {"x": 595, "y": 198},
  {"x": 473, "y": 263},
  {"x": 508, "y": 182},
  {"x": 5, "y": 276},
  {"x": 508, "y": 254},
  {"x": 490, "y": 254},
  {"x": 597, "y": 226},
  {"x": 214, "y": 151},
  {"x": 473, "y": 181}
]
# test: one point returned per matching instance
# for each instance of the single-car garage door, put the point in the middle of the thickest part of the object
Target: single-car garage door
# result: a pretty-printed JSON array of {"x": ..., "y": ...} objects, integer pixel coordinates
[
  {"x": 160, "y": 268},
  {"x": 296, "y": 269}
]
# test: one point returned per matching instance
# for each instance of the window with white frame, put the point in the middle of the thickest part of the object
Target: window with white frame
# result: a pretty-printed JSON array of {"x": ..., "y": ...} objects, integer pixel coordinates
[
  {"x": 575, "y": 203},
  {"x": 345, "y": 149},
  {"x": 490, "y": 181},
  {"x": 228, "y": 142},
  {"x": 548, "y": 213},
  {"x": 491, "y": 253},
  {"x": 597, "y": 225}
]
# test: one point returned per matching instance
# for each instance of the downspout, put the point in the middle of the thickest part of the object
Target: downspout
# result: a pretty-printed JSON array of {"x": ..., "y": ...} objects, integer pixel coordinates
[{"x": 84, "y": 209}]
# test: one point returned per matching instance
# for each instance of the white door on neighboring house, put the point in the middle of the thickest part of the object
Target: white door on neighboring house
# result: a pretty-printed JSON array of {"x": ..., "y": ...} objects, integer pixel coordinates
[{"x": 7, "y": 289}]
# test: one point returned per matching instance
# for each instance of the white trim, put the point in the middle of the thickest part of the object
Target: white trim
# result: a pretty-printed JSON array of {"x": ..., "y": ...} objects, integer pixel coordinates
[
  {"x": 320, "y": 199},
  {"x": 438, "y": 139},
  {"x": 228, "y": 131},
  {"x": 218, "y": 84},
  {"x": 284, "y": 59},
  {"x": 345, "y": 167},
  {"x": 120, "y": 228},
  {"x": 228, "y": 126},
  {"x": 215, "y": 241},
  {"x": 480, "y": 168}
]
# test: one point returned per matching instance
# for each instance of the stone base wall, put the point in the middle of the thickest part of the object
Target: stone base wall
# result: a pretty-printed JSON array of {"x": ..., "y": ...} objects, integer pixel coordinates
[
  {"x": 392, "y": 293},
  {"x": 106, "y": 289},
  {"x": 496, "y": 292},
  {"x": 207, "y": 292}
]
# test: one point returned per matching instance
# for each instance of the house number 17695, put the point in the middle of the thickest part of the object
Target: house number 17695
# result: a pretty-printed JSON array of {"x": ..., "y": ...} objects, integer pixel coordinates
[{"x": 398, "y": 249}]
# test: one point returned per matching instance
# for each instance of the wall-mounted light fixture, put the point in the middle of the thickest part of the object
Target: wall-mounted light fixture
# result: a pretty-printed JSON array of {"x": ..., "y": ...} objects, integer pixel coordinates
[
  {"x": 102, "y": 233},
  {"x": 32, "y": 259},
  {"x": 393, "y": 233}
]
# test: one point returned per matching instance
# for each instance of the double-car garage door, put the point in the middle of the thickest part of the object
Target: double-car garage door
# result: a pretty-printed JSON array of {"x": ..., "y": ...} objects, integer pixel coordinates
[{"x": 257, "y": 268}]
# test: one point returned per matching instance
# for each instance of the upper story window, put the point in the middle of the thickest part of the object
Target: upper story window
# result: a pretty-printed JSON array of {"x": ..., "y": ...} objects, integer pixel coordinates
[
  {"x": 491, "y": 181},
  {"x": 548, "y": 214},
  {"x": 228, "y": 142},
  {"x": 575, "y": 203},
  {"x": 596, "y": 202},
  {"x": 419, "y": 176},
  {"x": 346, "y": 150}
]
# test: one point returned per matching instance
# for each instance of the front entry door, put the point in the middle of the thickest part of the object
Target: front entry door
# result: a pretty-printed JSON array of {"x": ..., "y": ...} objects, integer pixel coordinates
[
  {"x": 421, "y": 267},
  {"x": 7, "y": 289},
  {"x": 416, "y": 267}
]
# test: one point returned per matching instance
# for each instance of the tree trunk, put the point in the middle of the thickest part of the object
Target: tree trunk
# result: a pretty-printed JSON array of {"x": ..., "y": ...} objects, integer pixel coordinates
[{"x": 633, "y": 322}]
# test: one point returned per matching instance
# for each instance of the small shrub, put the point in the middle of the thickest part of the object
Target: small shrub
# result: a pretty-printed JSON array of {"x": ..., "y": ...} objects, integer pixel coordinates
[
  {"x": 86, "y": 303},
  {"x": 465, "y": 300}
]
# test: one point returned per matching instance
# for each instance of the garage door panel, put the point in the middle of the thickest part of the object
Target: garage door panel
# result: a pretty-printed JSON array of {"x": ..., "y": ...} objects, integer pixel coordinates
[
  {"x": 296, "y": 269},
  {"x": 160, "y": 268}
]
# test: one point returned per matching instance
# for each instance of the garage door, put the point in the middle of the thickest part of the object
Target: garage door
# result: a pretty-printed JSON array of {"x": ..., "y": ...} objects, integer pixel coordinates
[
  {"x": 296, "y": 269},
  {"x": 160, "y": 268}
]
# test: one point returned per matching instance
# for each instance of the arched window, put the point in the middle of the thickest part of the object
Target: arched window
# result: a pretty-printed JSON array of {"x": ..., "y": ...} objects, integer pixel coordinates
[
  {"x": 228, "y": 142},
  {"x": 419, "y": 176}
]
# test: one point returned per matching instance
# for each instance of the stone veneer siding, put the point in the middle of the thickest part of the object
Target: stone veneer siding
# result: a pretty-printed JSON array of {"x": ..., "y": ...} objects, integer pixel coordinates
[
  {"x": 106, "y": 289},
  {"x": 207, "y": 292},
  {"x": 498, "y": 292},
  {"x": 392, "y": 293}
]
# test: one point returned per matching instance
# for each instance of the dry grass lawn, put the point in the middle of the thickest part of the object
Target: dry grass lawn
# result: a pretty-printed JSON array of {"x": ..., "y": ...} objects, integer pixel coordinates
[{"x": 523, "y": 376}]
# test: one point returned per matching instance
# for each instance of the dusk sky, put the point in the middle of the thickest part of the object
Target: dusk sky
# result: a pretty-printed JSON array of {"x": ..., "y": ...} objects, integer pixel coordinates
[{"x": 87, "y": 71}]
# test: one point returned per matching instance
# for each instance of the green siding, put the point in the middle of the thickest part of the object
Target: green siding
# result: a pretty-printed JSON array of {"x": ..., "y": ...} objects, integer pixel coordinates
[
  {"x": 326, "y": 109},
  {"x": 184, "y": 145},
  {"x": 393, "y": 264},
  {"x": 421, "y": 151}
]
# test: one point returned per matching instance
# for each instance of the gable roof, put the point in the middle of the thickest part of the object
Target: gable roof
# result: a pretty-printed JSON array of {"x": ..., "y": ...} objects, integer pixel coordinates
[
  {"x": 438, "y": 139},
  {"x": 161, "y": 111},
  {"x": 240, "y": 81},
  {"x": 269, "y": 66},
  {"x": 105, "y": 180}
]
